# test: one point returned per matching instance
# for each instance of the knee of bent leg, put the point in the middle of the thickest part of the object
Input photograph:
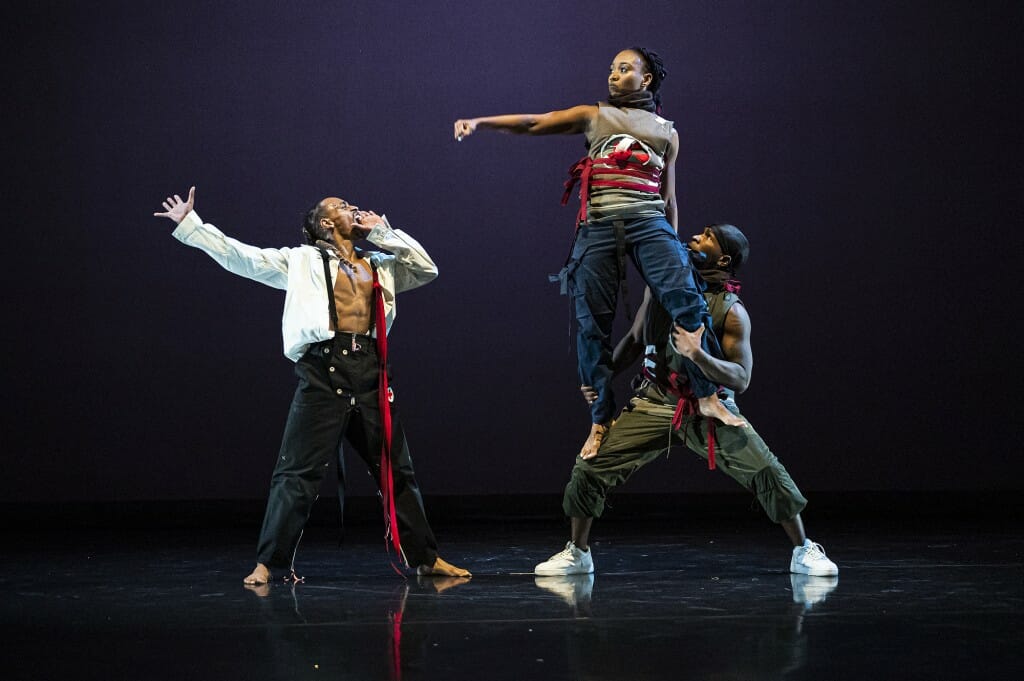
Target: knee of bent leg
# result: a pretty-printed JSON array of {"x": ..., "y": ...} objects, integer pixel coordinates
[
  {"x": 594, "y": 324},
  {"x": 685, "y": 306},
  {"x": 584, "y": 494},
  {"x": 777, "y": 493}
]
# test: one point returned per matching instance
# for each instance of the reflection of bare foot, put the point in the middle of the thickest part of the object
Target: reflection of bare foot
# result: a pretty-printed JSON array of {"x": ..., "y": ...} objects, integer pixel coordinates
[
  {"x": 713, "y": 408},
  {"x": 261, "y": 590},
  {"x": 261, "y": 575},
  {"x": 442, "y": 568},
  {"x": 594, "y": 440},
  {"x": 440, "y": 584}
]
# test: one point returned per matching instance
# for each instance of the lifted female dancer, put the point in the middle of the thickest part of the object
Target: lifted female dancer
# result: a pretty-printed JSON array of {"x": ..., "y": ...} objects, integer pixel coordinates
[{"x": 627, "y": 206}]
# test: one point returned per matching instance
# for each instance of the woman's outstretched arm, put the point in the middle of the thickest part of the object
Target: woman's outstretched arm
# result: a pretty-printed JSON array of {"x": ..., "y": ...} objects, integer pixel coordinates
[{"x": 563, "y": 122}]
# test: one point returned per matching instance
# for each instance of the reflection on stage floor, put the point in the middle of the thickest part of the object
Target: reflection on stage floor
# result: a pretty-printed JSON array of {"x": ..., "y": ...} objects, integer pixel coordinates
[{"x": 712, "y": 602}]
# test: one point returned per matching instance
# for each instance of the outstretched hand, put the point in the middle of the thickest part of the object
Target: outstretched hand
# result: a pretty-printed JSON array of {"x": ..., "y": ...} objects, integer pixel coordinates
[
  {"x": 687, "y": 343},
  {"x": 176, "y": 209},
  {"x": 464, "y": 127}
]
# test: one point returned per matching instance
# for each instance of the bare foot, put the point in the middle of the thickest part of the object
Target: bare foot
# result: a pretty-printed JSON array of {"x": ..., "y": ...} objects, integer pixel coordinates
[
  {"x": 713, "y": 408},
  {"x": 261, "y": 590},
  {"x": 442, "y": 568},
  {"x": 261, "y": 575},
  {"x": 594, "y": 440}
]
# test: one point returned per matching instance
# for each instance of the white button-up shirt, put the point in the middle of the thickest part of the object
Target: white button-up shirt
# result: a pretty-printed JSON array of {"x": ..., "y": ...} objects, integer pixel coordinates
[{"x": 299, "y": 272}]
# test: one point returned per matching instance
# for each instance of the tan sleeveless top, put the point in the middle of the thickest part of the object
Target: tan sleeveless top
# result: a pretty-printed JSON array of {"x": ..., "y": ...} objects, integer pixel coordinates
[{"x": 628, "y": 149}]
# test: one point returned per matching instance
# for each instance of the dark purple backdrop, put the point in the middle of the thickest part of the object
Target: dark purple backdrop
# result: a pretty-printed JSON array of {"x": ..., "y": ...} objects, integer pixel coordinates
[{"x": 870, "y": 152}]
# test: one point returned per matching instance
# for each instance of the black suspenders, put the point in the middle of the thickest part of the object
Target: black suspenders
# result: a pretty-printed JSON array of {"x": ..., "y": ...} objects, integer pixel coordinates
[{"x": 332, "y": 308}]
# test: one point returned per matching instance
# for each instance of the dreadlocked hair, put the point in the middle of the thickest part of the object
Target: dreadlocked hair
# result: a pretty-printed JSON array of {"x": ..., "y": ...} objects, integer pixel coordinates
[{"x": 655, "y": 67}]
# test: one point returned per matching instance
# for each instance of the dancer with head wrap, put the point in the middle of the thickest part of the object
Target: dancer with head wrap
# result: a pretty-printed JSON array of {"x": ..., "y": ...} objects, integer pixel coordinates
[
  {"x": 627, "y": 208},
  {"x": 652, "y": 423}
]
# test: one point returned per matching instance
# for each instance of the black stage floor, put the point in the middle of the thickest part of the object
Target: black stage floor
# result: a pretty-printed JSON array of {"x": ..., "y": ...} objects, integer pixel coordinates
[{"x": 702, "y": 597}]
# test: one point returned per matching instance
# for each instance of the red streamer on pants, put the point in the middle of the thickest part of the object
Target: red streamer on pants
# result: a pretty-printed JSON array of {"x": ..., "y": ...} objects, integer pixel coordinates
[
  {"x": 688, "y": 406},
  {"x": 387, "y": 478}
]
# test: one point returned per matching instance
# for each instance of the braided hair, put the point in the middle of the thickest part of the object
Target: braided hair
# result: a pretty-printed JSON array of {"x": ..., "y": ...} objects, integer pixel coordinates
[
  {"x": 656, "y": 67},
  {"x": 311, "y": 229}
]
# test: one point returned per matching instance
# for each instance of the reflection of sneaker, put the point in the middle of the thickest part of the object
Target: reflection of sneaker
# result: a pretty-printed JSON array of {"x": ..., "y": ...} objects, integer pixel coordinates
[
  {"x": 810, "y": 590},
  {"x": 810, "y": 559},
  {"x": 573, "y": 589},
  {"x": 568, "y": 561}
]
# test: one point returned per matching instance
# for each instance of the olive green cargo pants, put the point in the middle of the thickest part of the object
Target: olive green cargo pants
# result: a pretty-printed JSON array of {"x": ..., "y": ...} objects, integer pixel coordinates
[{"x": 643, "y": 432}]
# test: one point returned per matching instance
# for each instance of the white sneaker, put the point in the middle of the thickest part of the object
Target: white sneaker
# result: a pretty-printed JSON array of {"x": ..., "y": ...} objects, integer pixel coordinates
[
  {"x": 568, "y": 561},
  {"x": 810, "y": 559}
]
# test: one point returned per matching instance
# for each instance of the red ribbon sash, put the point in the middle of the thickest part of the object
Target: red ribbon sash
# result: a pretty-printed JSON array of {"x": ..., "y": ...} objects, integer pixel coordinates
[{"x": 387, "y": 479}]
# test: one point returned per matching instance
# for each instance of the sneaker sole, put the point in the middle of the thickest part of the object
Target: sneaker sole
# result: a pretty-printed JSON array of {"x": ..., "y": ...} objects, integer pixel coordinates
[
  {"x": 801, "y": 570},
  {"x": 562, "y": 573}
]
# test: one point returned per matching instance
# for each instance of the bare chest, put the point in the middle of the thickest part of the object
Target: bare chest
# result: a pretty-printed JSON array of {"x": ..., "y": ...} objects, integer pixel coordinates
[{"x": 353, "y": 295}]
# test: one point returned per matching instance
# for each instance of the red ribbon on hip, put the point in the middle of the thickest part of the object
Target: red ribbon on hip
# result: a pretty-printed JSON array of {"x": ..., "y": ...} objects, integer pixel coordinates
[
  {"x": 579, "y": 172},
  {"x": 688, "y": 406}
]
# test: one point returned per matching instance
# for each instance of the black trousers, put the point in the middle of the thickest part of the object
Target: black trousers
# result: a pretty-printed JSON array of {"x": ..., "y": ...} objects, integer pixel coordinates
[{"x": 337, "y": 398}]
